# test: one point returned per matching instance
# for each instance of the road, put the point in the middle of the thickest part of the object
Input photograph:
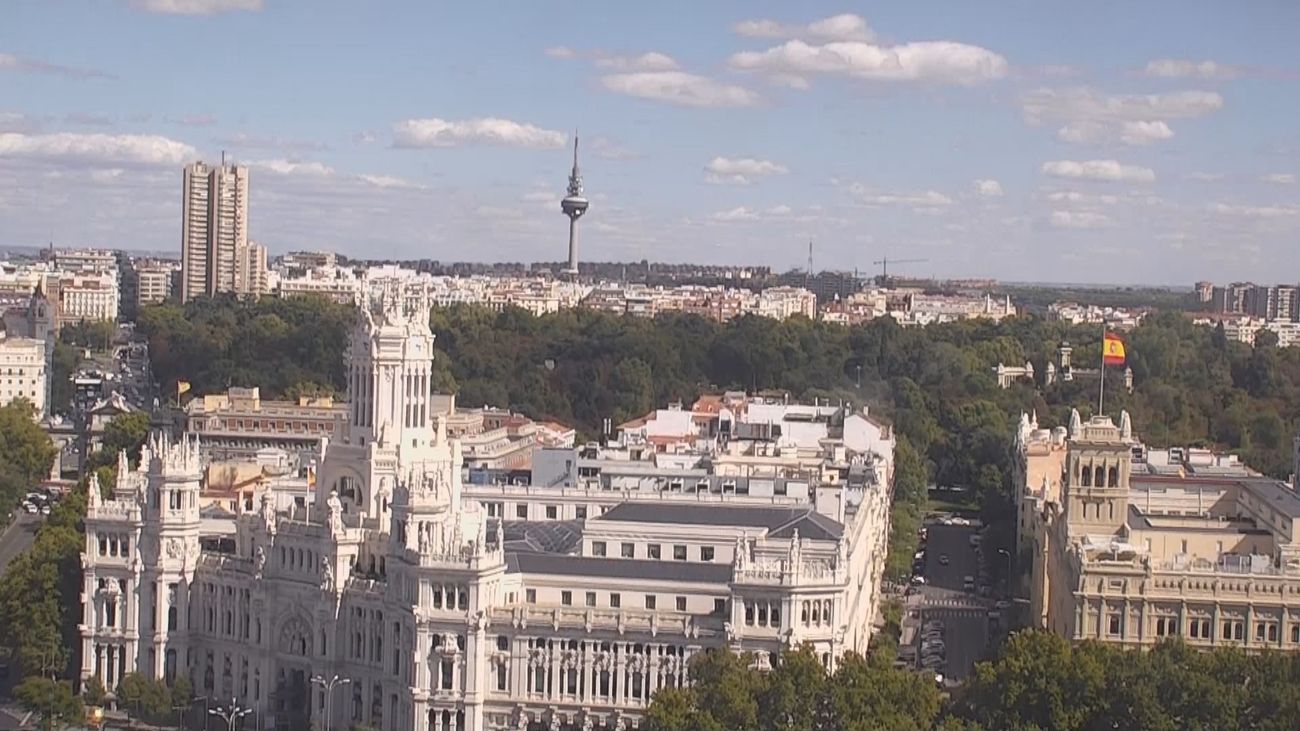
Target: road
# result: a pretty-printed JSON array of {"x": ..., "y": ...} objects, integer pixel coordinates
[
  {"x": 17, "y": 538},
  {"x": 965, "y": 617}
]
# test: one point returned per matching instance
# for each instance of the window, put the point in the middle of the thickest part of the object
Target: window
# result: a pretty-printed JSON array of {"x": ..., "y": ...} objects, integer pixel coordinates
[
  {"x": 566, "y": 598},
  {"x": 628, "y": 550},
  {"x": 598, "y": 548},
  {"x": 1166, "y": 626},
  {"x": 521, "y": 511},
  {"x": 652, "y": 550},
  {"x": 679, "y": 553},
  {"x": 650, "y": 604},
  {"x": 551, "y": 512},
  {"x": 719, "y": 606},
  {"x": 530, "y": 595},
  {"x": 1113, "y": 624},
  {"x": 591, "y": 598},
  {"x": 681, "y": 603},
  {"x": 1199, "y": 629},
  {"x": 615, "y": 600},
  {"x": 706, "y": 553},
  {"x": 580, "y": 512}
]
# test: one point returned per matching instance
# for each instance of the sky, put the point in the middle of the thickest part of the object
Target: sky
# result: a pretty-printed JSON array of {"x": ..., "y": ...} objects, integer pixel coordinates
[{"x": 1150, "y": 142}]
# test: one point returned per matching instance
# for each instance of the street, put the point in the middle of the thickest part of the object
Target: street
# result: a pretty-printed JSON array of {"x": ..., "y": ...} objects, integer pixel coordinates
[
  {"x": 943, "y": 597},
  {"x": 17, "y": 538}
]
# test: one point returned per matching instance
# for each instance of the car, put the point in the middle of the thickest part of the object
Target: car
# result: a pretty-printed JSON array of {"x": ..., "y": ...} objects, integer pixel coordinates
[
  {"x": 933, "y": 646},
  {"x": 932, "y": 662},
  {"x": 975, "y": 540},
  {"x": 45, "y": 510},
  {"x": 933, "y": 625},
  {"x": 1003, "y": 604},
  {"x": 918, "y": 579},
  {"x": 943, "y": 559},
  {"x": 968, "y": 582},
  {"x": 919, "y": 555}
]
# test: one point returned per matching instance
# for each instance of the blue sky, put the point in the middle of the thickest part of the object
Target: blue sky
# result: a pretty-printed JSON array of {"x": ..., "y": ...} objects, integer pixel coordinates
[{"x": 1026, "y": 139}]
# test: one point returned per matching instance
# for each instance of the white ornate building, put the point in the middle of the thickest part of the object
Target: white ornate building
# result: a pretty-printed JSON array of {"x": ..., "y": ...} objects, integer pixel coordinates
[{"x": 439, "y": 616}]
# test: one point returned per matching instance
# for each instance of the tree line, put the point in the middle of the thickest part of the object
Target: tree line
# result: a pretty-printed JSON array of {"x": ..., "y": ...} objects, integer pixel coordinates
[{"x": 1039, "y": 682}]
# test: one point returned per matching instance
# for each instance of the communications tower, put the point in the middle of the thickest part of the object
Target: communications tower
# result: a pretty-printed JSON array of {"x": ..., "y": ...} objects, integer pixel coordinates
[{"x": 574, "y": 205}]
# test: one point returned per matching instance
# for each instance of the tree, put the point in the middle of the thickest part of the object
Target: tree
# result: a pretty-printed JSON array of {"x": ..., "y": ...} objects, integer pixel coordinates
[
  {"x": 94, "y": 694},
  {"x": 51, "y": 700},
  {"x": 26, "y": 452},
  {"x": 144, "y": 696}
]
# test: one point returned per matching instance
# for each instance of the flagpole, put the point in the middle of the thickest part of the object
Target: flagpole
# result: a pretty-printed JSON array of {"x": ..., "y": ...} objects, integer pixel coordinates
[{"x": 1101, "y": 372}]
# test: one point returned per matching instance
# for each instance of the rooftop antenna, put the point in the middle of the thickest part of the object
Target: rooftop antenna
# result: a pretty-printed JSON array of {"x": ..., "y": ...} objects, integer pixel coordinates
[{"x": 223, "y": 158}]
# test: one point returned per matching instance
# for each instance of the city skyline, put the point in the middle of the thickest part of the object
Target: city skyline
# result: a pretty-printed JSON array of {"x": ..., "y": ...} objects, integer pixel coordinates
[{"x": 1070, "y": 145}]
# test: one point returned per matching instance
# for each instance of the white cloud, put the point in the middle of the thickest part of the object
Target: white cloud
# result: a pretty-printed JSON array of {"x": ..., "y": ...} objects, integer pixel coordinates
[
  {"x": 1140, "y": 133},
  {"x": 680, "y": 88},
  {"x": 843, "y": 27},
  {"x": 930, "y": 199},
  {"x": 988, "y": 188},
  {"x": 1130, "y": 133},
  {"x": 1075, "y": 197},
  {"x": 96, "y": 148},
  {"x": 1229, "y": 209},
  {"x": 88, "y": 119},
  {"x": 1098, "y": 170},
  {"x": 1171, "y": 68},
  {"x": 740, "y": 213},
  {"x": 293, "y": 167},
  {"x": 364, "y": 138},
  {"x": 1079, "y": 219},
  {"x": 650, "y": 61},
  {"x": 1279, "y": 178},
  {"x": 1069, "y": 105},
  {"x": 10, "y": 62},
  {"x": 434, "y": 132},
  {"x": 741, "y": 170},
  {"x": 561, "y": 52},
  {"x": 195, "y": 7},
  {"x": 540, "y": 196},
  {"x": 1204, "y": 177},
  {"x": 389, "y": 181},
  {"x": 927, "y": 61}
]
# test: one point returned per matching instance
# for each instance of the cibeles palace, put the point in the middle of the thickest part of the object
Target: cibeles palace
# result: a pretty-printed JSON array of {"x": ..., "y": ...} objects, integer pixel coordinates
[{"x": 443, "y": 617}]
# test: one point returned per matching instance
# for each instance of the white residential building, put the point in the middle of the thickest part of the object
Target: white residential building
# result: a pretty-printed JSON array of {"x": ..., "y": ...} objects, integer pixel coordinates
[
  {"x": 444, "y": 616},
  {"x": 24, "y": 372}
]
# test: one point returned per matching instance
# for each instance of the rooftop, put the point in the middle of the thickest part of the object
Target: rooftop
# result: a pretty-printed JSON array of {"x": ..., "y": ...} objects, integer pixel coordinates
[
  {"x": 780, "y": 522},
  {"x": 619, "y": 568}
]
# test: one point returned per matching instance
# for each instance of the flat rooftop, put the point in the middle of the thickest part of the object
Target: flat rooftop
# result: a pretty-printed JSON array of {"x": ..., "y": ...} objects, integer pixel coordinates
[
  {"x": 780, "y": 522},
  {"x": 618, "y": 568}
]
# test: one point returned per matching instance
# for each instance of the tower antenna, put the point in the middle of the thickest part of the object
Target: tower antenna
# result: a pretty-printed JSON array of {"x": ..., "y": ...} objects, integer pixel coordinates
[{"x": 574, "y": 205}]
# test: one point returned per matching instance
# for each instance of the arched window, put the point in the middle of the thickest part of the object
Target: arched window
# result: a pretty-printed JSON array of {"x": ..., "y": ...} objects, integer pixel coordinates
[
  {"x": 1086, "y": 474},
  {"x": 1112, "y": 478},
  {"x": 1099, "y": 478}
]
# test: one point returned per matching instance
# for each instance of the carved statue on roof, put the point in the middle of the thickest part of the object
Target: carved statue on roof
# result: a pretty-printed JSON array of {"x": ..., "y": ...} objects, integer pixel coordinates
[
  {"x": 1076, "y": 425},
  {"x": 1125, "y": 426},
  {"x": 334, "y": 513}
]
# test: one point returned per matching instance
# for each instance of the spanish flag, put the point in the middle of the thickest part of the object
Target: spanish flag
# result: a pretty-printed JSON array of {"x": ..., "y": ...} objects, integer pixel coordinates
[
  {"x": 1112, "y": 350},
  {"x": 183, "y": 386}
]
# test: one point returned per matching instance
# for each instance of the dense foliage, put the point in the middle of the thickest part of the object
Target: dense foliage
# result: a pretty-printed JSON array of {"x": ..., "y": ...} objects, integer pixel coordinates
[
  {"x": 1038, "y": 683},
  {"x": 277, "y": 344},
  {"x": 26, "y": 454}
]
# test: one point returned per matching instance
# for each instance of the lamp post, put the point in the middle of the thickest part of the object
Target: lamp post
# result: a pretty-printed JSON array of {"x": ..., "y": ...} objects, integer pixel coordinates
[
  {"x": 1005, "y": 552},
  {"x": 230, "y": 713},
  {"x": 328, "y": 687},
  {"x": 859, "y": 367},
  {"x": 181, "y": 708}
]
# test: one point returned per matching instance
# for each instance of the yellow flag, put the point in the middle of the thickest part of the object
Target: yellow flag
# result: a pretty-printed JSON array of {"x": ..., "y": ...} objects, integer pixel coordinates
[{"x": 182, "y": 387}]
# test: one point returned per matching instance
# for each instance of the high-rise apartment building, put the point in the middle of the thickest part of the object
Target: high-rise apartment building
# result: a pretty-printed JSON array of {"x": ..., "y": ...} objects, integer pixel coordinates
[{"x": 215, "y": 255}]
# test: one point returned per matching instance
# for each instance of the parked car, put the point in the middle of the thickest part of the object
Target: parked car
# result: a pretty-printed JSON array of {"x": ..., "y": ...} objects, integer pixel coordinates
[
  {"x": 918, "y": 579},
  {"x": 943, "y": 559},
  {"x": 29, "y": 508}
]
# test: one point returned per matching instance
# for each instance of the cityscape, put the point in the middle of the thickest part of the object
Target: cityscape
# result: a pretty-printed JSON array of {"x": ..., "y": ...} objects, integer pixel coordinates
[{"x": 476, "y": 425}]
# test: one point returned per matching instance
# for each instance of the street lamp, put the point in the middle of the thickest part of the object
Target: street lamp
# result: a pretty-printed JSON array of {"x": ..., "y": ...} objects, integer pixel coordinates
[
  {"x": 231, "y": 713},
  {"x": 328, "y": 687},
  {"x": 1005, "y": 552},
  {"x": 859, "y": 367},
  {"x": 181, "y": 708}
]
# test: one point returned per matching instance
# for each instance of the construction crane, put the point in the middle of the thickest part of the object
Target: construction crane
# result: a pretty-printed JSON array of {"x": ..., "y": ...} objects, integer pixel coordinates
[{"x": 886, "y": 261}]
